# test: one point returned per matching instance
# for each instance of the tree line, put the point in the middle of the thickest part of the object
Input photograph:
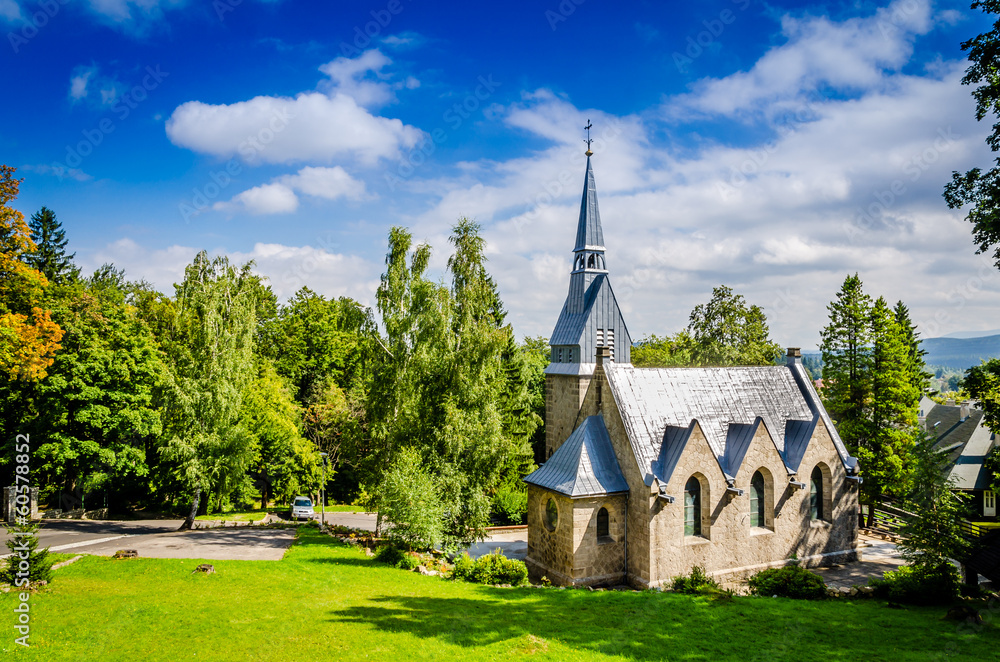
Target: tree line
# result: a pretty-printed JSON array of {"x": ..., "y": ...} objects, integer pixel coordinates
[{"x": 218, "y": 396}]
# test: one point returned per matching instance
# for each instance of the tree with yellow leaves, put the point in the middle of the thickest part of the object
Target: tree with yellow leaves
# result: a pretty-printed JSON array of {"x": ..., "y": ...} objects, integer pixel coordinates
[{"x": 28, "y": 337}]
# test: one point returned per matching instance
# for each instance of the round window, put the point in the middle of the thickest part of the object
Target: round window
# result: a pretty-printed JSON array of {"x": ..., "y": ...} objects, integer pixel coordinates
[{"x": 551, "y": 515}]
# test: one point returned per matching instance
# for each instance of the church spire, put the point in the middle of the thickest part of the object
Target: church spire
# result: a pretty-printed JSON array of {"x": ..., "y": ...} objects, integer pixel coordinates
[{"x": 589, "y": 249}]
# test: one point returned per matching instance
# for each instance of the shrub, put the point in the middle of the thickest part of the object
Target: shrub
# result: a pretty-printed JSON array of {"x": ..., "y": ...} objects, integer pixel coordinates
[
  {"x": 409, "y": 499},
  {"x": 490, "y": 569},
  {"x": 464, "y": 565},
  {"x": 409, "y": 561},
  {"x": 390, "y": 555},
  {"x": 919, "y": 584},
  {"x": 696, "y": 582},
  {"x": 510, "y": 503},
  {"x": 788, "y": 582},
  {"x": 39, "y": 563}
]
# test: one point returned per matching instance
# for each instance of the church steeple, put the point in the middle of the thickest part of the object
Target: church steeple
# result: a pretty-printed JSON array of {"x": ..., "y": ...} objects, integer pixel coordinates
[
  {"x": 589, "y": 249},
  {"x": 590, "y": 319}
]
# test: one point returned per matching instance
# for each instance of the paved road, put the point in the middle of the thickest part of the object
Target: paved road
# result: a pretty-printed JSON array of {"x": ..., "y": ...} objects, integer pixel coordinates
[
  {"x": 66, "y": 535},
  {"x": 160, "y": 539},
  {"x": 513, "y": 545}
]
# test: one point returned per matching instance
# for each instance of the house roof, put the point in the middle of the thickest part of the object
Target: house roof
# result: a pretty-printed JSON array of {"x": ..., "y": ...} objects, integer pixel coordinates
[
  {"x": 965, "y": 443},
  {"x": 584, "y": 465},
  {"x": 660, "y": 406}
]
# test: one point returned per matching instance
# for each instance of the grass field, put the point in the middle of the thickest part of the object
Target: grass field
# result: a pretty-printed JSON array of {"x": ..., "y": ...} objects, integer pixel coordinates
[{"x": 326, "y": 601}]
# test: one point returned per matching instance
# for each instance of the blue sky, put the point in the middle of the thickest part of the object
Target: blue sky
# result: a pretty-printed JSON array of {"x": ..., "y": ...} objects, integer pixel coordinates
[{"x": 772, "y": 147}]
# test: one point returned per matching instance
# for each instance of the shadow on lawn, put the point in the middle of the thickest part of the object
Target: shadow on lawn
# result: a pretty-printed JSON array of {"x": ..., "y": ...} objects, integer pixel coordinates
[{"x": 642, "y": 626}]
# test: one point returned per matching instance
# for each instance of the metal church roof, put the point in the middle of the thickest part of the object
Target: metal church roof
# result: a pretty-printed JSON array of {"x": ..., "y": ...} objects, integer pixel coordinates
[
  {"x": 584, "y": 465},
  {"x": 660, "y": 407},
  {"x": 589, "y": 235}
]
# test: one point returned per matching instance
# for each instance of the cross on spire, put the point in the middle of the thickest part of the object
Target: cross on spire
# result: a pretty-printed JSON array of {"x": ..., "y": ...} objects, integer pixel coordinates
[{"x": 588, "y": 140}]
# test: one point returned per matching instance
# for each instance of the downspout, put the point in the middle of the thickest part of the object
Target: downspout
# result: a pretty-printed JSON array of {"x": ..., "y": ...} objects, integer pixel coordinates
[{"x": 625, "y": 540}]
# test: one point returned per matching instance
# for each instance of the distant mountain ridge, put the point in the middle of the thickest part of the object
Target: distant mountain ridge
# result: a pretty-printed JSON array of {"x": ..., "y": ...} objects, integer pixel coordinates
[
  {"x": 957, "y": 353},
  {"x": 960, "y": 353}
]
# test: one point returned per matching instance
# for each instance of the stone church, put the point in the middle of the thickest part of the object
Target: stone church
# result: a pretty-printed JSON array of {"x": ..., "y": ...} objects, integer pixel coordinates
[{"x": 651, "y": 471}]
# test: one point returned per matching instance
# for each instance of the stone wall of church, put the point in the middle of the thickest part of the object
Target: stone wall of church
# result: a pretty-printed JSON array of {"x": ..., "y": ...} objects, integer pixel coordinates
[
  {"x": 563, "y": 396},
  {"x": 550, "y": 553},
  {"x": 598, "y": 560},
  {"x": 728, "y": 546},
  {"x": 601, "y": 401}
]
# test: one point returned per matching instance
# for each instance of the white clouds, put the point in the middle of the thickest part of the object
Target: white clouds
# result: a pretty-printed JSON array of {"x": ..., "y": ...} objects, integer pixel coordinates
[
  {"x": 278, "y": 197},
  {"x": 287, "y": 268},
  {"x": 10, "y": 10},
  {"x": 851, "y": 55},
  {"x": 87, "y": 79},
  {"x": 312, "y": 127},
  {"x": 852, "y": 184},
  {"x": 275, "y": 198},
  {"x": 78, "y": 84},
  {"x": 362, "y": 79},
  {"x": 328, "y": 183}
]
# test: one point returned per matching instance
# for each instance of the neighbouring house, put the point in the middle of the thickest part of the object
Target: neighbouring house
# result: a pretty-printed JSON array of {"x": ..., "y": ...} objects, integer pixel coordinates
[
  {"x": 961, "y": 434},
  {"x": 652, "y": 471}
]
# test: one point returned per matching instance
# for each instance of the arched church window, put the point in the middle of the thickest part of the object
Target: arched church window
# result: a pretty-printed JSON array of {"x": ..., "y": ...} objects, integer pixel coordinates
[
  {"x": 757, "y": 499},
  {"x": 592, "y": 261},
  {"x": 816, "y": 494},
  {"x": 692, "y": 507},
  {"x": 603, "y": 524}
]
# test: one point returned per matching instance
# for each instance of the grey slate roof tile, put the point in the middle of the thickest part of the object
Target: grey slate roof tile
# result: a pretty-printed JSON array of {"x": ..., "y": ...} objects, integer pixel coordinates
[
  {"x": 965, "y": 443},
  {"x": 584, "y": 465},
  {"x": 659, "y": 404}
]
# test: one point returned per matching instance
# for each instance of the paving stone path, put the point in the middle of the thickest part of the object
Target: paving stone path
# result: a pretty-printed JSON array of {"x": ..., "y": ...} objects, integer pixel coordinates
[{"x": 877, "y": 557}]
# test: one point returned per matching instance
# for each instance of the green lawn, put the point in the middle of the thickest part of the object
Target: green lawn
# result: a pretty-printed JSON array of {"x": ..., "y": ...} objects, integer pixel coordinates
[{"x": 327, "y": 601}]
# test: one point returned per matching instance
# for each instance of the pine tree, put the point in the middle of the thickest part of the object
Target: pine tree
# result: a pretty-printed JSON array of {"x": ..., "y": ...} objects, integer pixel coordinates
[
  {"x": 919, "y": 377},
  {"x": 935, "y": 535},
  {"x": 885, "y": 454},
  {"x": 846, "y": 348},
  {"x": 49, "y": 255},
  {"x": 23, "y": 539}
]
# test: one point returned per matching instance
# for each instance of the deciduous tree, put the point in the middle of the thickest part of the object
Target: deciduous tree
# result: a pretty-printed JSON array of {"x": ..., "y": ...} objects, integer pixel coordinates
[
  {"x": 727, "y": 331},
  {"x": 211, "y": 364}
]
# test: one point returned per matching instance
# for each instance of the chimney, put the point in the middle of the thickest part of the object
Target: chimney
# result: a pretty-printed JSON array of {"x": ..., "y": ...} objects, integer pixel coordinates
[
  {"x": 794, "y": 356},
  {"x": 950, "y": 402},
  {"x": 964, "y": 411},
  {"x": 603, "y": 353}
]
